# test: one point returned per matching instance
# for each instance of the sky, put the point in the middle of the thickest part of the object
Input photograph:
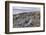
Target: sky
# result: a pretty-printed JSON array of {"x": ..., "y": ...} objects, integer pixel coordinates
[{"x": 17, "y": 10}]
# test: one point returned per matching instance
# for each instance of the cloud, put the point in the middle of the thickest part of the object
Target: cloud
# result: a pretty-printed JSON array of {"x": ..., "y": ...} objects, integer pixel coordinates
[{"x": 17, "y": 10}]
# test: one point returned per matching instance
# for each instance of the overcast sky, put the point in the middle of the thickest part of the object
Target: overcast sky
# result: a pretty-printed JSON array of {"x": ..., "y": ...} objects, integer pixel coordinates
[{"x": 17, "y": 10}]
